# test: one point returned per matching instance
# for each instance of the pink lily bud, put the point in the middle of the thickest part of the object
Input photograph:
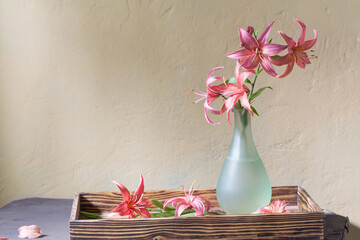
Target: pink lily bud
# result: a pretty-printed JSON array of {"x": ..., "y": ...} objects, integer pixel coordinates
[
  {"x": 250, "y": 30},
  {"x": 32, "y": 231}
]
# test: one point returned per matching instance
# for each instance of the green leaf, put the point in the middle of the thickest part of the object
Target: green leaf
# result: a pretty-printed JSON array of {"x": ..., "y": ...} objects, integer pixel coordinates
[
  {"x": 258, "y": 92},
  {"x": 276, "y": 57},
  {"x": 231, "y": 80},
  {"x": 157, "y": 203},
  {"x": 247, "y": 81},
  {"x": 163, "y": 214},
  {"x": 270, "y": 40},
  {"x": 89, "y": 215},
  {"x": 259, "y": 71},
  {"x": 254, "y": 110},
  {"x": 256, "y": 32},
  {"x": 161, "y": 205}
]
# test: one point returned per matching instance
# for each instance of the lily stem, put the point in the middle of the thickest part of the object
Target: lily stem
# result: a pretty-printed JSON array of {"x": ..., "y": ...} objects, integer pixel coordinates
[{"x": 253, "y": 83}]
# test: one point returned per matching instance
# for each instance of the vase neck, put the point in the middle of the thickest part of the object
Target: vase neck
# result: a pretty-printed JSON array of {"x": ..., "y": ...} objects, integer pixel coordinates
[{"x": 243, "y": 147}]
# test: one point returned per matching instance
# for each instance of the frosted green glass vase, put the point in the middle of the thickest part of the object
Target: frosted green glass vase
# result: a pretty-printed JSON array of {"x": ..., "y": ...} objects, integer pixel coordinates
[{"x": 243, "y": 185}]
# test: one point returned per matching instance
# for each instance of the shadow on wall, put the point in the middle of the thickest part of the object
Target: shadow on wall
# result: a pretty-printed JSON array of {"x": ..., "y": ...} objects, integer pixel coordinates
[{"x": 354, "y": 232}]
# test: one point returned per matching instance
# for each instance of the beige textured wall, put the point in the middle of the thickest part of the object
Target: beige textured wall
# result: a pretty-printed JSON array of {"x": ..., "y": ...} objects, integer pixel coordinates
[{"x": 92, "y": 91}]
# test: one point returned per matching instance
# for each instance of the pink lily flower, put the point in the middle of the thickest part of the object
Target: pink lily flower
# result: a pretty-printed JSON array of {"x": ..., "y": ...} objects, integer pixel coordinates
[
  {"x": 276, "y": 206},
  {"x": 189, "y": 201},
  {"x": 256, "y": 51},
  {"x": 297, "y": 51},
  {"x": 212, "y": 93},
  {"x": 237, "y": 92},
  {"x": 132, "y": 204},
  {"x": 31, "y": 231}
]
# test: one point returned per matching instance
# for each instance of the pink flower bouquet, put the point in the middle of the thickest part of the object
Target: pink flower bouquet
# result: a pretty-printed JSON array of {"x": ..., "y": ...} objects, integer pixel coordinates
[{"x": 257, "y": 53}]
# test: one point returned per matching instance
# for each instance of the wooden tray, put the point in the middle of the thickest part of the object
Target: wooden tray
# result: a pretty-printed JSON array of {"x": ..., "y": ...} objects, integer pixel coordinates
[{"x": 308, "y": 221}]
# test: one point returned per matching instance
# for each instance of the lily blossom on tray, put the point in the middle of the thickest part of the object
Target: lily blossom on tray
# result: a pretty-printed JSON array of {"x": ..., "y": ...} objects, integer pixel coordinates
[
  {"x": 198, "y": 203},
  {"x": 132, "y": 204},
  {"x": 276, "y": 206},
  {"x": 31, "y": 232}
]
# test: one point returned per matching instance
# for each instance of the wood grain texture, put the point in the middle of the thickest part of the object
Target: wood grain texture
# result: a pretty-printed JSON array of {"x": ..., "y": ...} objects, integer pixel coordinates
[
  {"x": 216, "y": 227},
  {"x": 106, "y": 201},
  {"x": 307, "y": 224},
  {"x": 305, "y": 202},
  {"x": 75, "y": 209}
]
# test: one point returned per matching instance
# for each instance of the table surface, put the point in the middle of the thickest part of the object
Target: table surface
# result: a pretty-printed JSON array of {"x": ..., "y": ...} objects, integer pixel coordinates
[{"x": 51, "y": 215}]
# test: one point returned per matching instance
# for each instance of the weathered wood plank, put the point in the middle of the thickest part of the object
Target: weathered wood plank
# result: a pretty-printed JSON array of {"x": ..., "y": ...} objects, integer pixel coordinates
[
  {"x": 271, "y": 226},
  {"x": 75, "y": 209},
  {"x": 335, "y": 226},
  {"x": 306, "y": 203}
]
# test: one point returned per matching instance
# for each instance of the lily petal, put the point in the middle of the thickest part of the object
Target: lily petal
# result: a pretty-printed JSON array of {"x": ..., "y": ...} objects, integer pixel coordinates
[
  {"x": 228, "y": 105},
  {"x": 266, "y": 65},
  {"x": 289, "y": 67},
  {"x": 213, "y": 70},
  {"x": 290, "y": 42},
  {"x": 242, "y": 53},
  {"x": 282, "y": 60},
  {"x": 121, "y": 209},
  {"x": 182, "y": 200},
  {"x": 31, "y": 231},
  {"x": 272, "y": 49},
  {"x": 208, "y": 204},
  {"x": 144, "y": 203},
  {"x": 245, "y": 103},
  {"x": 143, "y": 212},
  {"x": 247, "y": 40},
  {"x": 251, "y": 62},
  {"x": 301, "y": 59},
  {"x": 199, "y": 207},
  {"x": 124, "y": 191},
  {"x": 243, "y": 76},
  {"x": 309, "y": 43},
  {"x": 207, "y": 117},
  {"x": 180, "y": 208},
  {"x": 265, "y": 34},
  {"x": 139, "y": 191},
  {"x": 303, "y": 31}
]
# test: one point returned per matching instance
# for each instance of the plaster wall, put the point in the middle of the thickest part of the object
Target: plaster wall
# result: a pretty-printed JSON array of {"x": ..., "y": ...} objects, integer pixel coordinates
[{"x": 92, "y": 91}]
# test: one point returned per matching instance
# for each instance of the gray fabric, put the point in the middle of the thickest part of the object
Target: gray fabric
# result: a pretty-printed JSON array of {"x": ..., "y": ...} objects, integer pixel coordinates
[{"x": 51, "y": 215}]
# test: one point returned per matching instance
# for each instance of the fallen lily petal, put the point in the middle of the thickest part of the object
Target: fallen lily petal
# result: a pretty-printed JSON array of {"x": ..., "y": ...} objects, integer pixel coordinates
[
  {"x": 189, "y": 201},
  {"x": 31, "y": 231},
  {"x": 134, "y": 204},
  {"x": 276, "y": 206}
]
